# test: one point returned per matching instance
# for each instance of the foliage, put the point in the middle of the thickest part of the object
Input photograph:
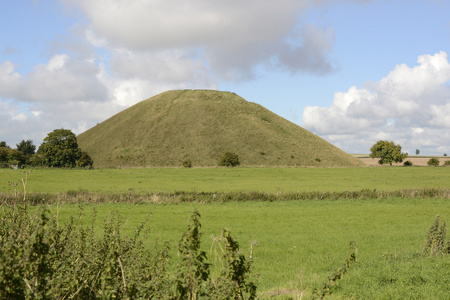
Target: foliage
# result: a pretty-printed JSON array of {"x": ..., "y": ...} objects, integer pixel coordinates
[
  {"x": 408, "y": 163},
  {"x": 337, "y": 274},
  {"x": 10, "y": 157},
  {"x": 43, "y": 259},
  {"x": 60, "y": 149},
  {"x": 26, "y": 147},
  {"x": 435, "y": 242},
  {"x": 187, "y": 163},
  {"x": 234, "y": 281},
  {"x": 387, "y": 152},
  {"x": 85, "y": 161},
  {"x": 434, "y": 162},
  {"x": 229, "y": 159},
  {"x": 4, "y": 144},
  {"x": 193, "y": 270},
  {"x": 447, "y": 163},
  {"x": 417, "y": 151}
]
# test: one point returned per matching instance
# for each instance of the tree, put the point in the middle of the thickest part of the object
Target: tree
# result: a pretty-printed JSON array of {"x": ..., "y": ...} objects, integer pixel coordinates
[
  {"x": 85, "y": 160},
  {"x": 3, "y": 144},
  {"x": 229, "y": 159},
  {"x": 26, "y": 147},
  {"x": 387, "y": 152},
  {"x": 417, "y": 151},
  {"x": 434, "y": 162},
  {"x": 60, "y": 149}
]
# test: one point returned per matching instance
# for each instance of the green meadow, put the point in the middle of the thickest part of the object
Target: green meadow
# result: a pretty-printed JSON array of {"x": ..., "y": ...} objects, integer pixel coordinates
[
  {"x": 298, "y": 244},
  {"x": 270, "y": 180}
]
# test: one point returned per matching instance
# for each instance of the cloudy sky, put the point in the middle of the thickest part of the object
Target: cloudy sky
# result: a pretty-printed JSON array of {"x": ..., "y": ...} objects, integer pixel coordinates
[{"x": 353, "y": 71}]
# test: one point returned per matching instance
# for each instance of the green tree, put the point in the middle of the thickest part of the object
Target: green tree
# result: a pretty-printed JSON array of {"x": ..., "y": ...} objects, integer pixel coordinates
[
  {"x": 60, "y": 149},
  {"x": 387, "y": 152},
  {"x": 26, "y": 147},
  {"x": 85, "y": 160},
  {"x": 229, "y": 159},
  {"x": 3, "y": 144},
  {"x": 433, "y": 162},
  {"x": 417, "y": 151}
]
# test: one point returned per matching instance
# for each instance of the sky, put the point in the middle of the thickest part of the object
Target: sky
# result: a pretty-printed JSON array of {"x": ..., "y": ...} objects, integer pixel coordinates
[{"x": 351, "y": 71}]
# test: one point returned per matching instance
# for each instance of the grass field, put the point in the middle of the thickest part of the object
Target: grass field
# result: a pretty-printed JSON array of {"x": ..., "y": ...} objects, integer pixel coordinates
[
  {"x": 299, "y": 243},
  {"x": 272, "y": 180}
]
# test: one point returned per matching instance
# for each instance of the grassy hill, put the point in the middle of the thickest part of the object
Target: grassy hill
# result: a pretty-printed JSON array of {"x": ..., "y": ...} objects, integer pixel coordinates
[{"x": 201, "y": 125}]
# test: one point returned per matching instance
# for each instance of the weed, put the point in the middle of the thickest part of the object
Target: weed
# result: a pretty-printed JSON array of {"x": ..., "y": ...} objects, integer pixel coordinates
[
  {"x": 435, "y": 242},
  {"x": 337, "y": 274}
]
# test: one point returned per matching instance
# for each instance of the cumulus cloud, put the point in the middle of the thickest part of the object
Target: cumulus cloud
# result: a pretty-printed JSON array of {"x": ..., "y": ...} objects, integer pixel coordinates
[
  {"x": 61, "y": 79},
  {"x": 411, "y": 106},
  {"x": 234, "y": 36}
]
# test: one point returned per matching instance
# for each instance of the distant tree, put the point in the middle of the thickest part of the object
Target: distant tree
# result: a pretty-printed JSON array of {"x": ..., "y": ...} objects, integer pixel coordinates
[
  {"x": 4, "y": 156},
  {"x": 387, "y": 152},
  {"x": 417, "y": 151},
  {"x": 85, "y": 160},
  {"x": 408, "y": 163},
  {"x": 26, "y": 147},
  {"x": 433, "y": 162},
  {"x": 59, "y": 149},
  {"x": 229, "y": 159},
  {"x": 3, "y": 144}
]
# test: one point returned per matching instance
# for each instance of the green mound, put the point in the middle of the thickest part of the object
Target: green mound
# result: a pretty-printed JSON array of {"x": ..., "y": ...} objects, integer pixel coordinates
[{"x": 201, "y": 125}]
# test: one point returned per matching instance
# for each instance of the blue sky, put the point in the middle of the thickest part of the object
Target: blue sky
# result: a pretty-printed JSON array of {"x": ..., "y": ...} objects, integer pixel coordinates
[{"x": 353, "y": 72}]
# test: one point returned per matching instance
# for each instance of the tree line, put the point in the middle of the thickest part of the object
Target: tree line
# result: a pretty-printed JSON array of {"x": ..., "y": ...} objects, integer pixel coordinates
[{"x": 59, "y": 149}]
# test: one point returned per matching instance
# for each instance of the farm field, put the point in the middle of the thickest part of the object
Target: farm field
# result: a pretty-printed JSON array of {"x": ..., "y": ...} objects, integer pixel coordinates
[
  {"x": 270, "y": 180},
  {"x": 298, "y": 243}
]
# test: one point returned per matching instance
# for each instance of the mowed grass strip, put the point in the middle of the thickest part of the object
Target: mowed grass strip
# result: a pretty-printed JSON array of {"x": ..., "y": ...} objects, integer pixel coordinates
[
  {"x": 270, "y": 180},
  {"x": 300, "y": 243}
]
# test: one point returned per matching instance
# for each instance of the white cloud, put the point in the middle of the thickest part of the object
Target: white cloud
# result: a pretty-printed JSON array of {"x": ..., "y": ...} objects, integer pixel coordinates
[
  {"x": 234, "y": 36},
  {"x": 409, "y": 105}
]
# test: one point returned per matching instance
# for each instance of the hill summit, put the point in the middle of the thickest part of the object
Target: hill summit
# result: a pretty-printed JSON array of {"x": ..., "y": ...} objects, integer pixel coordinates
[{"x": 201, "y": 125}]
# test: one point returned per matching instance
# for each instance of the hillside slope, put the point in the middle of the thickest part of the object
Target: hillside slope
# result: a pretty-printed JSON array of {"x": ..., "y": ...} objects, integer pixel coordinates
[{"x": 171, "y": 127}]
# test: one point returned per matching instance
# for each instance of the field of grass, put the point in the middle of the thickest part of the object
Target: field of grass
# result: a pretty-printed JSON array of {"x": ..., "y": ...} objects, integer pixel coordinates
[
  {"x": 300, "y": 243},
  {"x": 271, "y": 180}
]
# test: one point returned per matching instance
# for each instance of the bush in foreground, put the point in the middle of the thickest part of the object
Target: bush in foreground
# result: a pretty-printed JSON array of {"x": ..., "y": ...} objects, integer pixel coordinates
[{"x": 40, "y": 259}]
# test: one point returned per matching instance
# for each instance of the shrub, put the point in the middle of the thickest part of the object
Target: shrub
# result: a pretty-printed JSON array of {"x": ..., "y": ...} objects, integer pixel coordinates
[
  {"x": 435, "y": 243},
  {"x": 433, "y": 162},
  {"x": 42, "y": 259},
  {"x": 229, "y": 159},
  {"x": 187, "y": 163},
  {"x": 408, "y": 163},
  {"x": 447, "y": 163},
  {"x": 318, "y": 159}
]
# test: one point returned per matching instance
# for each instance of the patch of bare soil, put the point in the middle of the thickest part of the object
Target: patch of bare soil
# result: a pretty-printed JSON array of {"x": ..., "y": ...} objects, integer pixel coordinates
[{"x": 417, "y": 161}]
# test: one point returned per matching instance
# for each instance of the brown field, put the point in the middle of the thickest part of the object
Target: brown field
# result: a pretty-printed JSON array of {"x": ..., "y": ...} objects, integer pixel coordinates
[{"x": 417, "y": 161}]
